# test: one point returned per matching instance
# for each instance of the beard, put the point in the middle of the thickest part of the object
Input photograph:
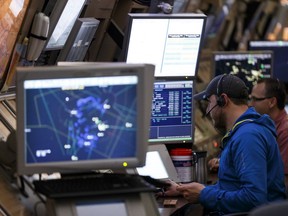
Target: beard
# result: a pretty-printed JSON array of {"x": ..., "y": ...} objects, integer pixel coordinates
[
  {"x": 219, "y": 124},
  {"x": 221, "y": 130}
]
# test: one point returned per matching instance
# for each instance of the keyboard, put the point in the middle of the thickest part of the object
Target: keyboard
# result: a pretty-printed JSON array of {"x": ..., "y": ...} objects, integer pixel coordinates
[{"x": 93, "y": 185}]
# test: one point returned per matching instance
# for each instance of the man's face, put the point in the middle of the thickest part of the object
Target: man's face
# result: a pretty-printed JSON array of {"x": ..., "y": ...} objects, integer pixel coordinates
[
  {"x": 259, "y": 100},
  {"x": 215, "y": 112}
]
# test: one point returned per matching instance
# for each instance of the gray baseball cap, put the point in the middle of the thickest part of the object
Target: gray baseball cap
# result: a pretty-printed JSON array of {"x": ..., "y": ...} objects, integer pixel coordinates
[{"x": 229, "y": 84}]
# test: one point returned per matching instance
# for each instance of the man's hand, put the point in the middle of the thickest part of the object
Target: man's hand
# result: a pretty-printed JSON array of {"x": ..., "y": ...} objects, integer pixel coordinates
[
  {"x": 172, "y": 190},
  {"x": 213, "y": 164},
  {"x": 191, "y": 191}
]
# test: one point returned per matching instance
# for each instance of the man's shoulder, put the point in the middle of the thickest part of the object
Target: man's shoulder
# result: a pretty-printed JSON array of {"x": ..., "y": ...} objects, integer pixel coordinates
[
  {"x": 254, "y": 130},
  {"x": 281, "y": 118}
]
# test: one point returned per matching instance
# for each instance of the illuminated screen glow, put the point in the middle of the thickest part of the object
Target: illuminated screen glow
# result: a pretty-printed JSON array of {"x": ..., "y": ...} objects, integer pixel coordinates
[
  {"x": 81, "y": 118},
  {"x": 171, "y": 43},
  {"x": 172, "y": 115},
  {"x": 280, "y": 50},
  {"x": 249, "y": 66},
  {"x": 157, "y": 172}
]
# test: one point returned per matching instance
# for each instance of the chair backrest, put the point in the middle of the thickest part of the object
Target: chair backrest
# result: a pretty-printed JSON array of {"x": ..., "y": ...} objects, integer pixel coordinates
[{"x": 277, "y": 208}]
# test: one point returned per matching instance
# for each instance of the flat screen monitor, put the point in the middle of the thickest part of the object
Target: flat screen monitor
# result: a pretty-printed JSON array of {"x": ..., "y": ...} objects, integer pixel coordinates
[
  {"x": 82, "y": 118},
  {"x": 248, "y": 65},
  {"x": 172, "y": 119},
  {"x": 280, "y": 50},
  {"x": 171, "y": 42},
  {"x": 62, "y": 20}
]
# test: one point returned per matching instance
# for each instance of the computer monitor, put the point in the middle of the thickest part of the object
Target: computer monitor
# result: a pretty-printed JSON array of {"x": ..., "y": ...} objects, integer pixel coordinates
[
  {"x": 81, "y": 118},
  {"x": 172, "y": 119},
  {"x": 171, "y": 42},
  {"x": 248, "y": 65},
  {"x": 280, "y": 50},
  {"x": 62, "y": 19}
]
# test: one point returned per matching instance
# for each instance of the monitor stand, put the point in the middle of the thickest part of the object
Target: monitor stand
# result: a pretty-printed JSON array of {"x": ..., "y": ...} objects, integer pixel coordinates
[{"x": 140, "y": 204}]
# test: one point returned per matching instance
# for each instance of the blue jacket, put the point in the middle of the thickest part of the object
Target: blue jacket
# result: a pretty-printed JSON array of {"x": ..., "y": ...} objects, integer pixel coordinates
[{"x": 251, "y": 169}]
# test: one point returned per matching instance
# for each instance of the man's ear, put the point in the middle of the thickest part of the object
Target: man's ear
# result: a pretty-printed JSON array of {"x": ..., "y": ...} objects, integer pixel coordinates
[
  {"x": 225, "y": 99},
  {"x": 272, "y": 102}
]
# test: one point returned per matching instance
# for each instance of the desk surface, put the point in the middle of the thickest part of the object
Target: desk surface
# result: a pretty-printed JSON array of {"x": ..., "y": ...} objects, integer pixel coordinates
[
  {"x": 166, "y": 210},
  {"x": 193, "y": 210}
]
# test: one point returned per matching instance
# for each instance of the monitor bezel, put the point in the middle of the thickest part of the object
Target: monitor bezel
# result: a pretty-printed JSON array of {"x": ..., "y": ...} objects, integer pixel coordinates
[
  {"x": 144, "y": 72},
  {"x": 132, "y": 16}
]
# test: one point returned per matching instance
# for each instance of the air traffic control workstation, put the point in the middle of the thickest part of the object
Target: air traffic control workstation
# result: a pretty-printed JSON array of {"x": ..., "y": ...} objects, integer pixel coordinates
[{"x": 59, "y": 113}]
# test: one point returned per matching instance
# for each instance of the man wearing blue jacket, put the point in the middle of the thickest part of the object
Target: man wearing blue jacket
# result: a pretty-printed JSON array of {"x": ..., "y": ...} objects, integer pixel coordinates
[{"x": 250, "y": 169}]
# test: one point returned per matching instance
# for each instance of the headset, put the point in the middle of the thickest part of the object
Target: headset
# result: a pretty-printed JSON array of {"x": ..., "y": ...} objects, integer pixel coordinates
[{"x": 220, "y": 99}]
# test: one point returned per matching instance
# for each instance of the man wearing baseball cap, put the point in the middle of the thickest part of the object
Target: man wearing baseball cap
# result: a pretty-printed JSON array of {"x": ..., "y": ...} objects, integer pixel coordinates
[{"x": 250, "y": 169}]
